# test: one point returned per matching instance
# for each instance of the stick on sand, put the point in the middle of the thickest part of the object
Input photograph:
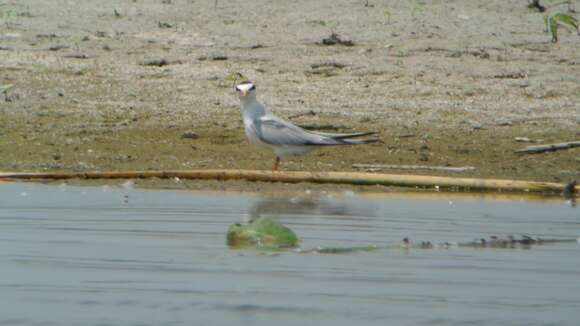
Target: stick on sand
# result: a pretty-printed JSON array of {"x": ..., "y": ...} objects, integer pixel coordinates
[
  {"x": 548, "y": 147},
  {"x": 353, "y": 178}
]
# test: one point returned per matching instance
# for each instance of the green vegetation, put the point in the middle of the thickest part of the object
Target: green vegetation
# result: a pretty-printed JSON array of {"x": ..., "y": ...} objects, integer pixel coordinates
[
  {"x": 4, "y": 88},
  {"x": 331, "y": 25},
  {"x": 387, "y": 14},
  {"x": 554, "y": 20},
  {"x": 262, "y": 233}
]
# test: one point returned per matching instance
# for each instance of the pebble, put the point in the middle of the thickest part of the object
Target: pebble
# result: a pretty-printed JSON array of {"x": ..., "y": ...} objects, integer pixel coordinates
[
  {"x": 504, "y": 122},
  {"x": 476, "y": 126},
  {"x": 189, "y": 135}
]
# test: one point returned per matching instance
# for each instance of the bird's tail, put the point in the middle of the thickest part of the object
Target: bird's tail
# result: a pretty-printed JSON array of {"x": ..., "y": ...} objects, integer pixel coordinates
[
  {"x": 353, "y": 135},
  {"x": 361, "y": 141},
  {"x": 347, "y": 138}
]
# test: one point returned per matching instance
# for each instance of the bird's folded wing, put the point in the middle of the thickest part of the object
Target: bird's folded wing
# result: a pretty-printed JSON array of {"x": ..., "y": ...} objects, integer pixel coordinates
[{"x": 275, "y": 131}]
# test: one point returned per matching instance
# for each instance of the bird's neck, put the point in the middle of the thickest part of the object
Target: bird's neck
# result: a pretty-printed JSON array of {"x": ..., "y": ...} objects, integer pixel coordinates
[{"x": 251, "y": 108}]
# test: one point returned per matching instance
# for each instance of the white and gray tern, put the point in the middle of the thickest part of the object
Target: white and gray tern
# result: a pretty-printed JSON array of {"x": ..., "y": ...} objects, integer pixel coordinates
[{"x": 284, "y": 138}]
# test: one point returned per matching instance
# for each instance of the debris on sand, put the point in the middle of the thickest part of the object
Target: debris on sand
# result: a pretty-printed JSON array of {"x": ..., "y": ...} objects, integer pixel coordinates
[
  {"x": 164, "y": 25},
  {"x": 58, "y": 47},
  {"x": 536, "y": 4},
  {"x": 76, "y": 56},
  {"x": 159, "y": 62},
  {"x": 189, "y": 135},
  {"x": 326, "y": 69},
  {"x": 102, "y": 34},
  {"x": 527, "y": 140},
  {"x": 216, "y": 57},
  {"x": 334, "y": 39},
  {"x": 303, "y": 114},
  {"x": 511, "y": 75},
  {"x": 331, "y": 64},
  {"x": 549, "y": 147}
]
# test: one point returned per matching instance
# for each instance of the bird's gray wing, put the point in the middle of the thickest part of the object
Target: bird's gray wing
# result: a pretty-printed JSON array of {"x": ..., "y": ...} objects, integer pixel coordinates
[{"x": 275, "y": 131}]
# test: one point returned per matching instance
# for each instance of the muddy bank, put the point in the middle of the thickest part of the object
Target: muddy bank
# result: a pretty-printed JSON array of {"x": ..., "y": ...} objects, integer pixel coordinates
[{"x": 144, "y": 85}]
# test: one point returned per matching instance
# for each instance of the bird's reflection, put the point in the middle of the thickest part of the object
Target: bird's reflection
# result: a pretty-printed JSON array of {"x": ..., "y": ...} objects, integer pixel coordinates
[
  {"x": 569, "y": 193},
  {"x": 308, "y": 205}
]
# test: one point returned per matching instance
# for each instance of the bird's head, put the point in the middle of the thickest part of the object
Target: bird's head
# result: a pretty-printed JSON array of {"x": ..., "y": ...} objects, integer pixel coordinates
[{"x": 245, "y": 89}]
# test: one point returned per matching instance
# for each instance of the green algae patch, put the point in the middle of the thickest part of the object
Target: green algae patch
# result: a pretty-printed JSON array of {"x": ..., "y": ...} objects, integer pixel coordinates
[{"x": 261, "y": 233}]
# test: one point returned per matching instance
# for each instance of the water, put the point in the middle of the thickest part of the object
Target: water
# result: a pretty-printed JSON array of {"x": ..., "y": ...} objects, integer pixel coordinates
[{"x": 120, "y": 256}]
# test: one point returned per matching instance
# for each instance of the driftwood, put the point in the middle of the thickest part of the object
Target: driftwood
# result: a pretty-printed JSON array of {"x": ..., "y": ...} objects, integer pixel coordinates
[
  {"x": 548, "y": 147},
  {"x": 354, "y": 178},
  {"x": 376, "y": 167}
]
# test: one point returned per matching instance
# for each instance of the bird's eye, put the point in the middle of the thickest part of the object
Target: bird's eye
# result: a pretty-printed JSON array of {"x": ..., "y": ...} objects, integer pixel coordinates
[
  {"x": 253, "y": 88},
  {"x": 237, "y": 89}
]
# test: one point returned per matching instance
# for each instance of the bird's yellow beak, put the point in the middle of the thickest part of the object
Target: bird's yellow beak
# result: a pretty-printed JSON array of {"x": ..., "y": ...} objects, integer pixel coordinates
[{"x": 244, "y": 93}]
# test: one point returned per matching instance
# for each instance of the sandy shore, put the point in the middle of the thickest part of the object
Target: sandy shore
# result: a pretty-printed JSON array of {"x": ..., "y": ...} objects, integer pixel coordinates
[{"x": 144, "y": 84}]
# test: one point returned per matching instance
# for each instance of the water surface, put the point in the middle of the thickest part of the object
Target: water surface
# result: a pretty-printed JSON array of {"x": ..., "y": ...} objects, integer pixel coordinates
[{"x": 120, "y": 256}]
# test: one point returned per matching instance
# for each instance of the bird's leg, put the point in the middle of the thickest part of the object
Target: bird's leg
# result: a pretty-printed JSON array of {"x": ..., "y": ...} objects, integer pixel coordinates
[{"x": 276, "y": 163}]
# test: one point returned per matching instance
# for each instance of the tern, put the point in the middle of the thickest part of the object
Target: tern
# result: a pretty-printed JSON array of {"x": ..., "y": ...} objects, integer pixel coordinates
[{"x": 286, "y": 139}]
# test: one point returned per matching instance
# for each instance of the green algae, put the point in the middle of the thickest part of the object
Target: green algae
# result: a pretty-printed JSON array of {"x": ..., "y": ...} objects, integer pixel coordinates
[{"x": 262, "y": 232}]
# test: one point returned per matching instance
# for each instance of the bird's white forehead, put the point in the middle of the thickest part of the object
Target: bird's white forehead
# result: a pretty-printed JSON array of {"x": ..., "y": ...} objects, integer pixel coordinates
[{"x": 245, "y": 86}]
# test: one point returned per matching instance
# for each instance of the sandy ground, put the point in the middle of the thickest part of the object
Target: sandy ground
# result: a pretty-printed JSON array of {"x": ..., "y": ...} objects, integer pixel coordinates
[{"x": 445, "y": 82}]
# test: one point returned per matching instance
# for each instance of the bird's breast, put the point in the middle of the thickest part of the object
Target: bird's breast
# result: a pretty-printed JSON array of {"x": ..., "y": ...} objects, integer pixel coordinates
[{"x": 252, "y": 133}]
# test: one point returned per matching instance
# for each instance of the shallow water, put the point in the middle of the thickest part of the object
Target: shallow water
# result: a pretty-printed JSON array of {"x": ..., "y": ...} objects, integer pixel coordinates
[{"x": 120, "y": 256}]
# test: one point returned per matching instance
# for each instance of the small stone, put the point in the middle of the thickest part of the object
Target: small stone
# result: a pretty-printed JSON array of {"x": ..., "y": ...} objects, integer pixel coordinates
[
  {"x": 476, "y": 126},
  {"x": 160, "y": 62},
  {"x": 164, "y": 25},
  {"x": 102, "y": 34},
  {"x": 504, "y": 122},
  {"x": 215, "y": 57},
  {"x": 58, "y": 47},
  {"x": 189, "y": 135},
  {"x": 77, "y": 56}
]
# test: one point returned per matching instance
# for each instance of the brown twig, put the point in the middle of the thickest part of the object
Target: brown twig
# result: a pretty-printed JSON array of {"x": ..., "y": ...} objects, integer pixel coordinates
[{"x": 354, "y": 178}]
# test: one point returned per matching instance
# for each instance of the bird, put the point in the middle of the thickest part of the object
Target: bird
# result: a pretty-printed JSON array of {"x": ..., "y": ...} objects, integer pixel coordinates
[{"x": 286, "y": 139}]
